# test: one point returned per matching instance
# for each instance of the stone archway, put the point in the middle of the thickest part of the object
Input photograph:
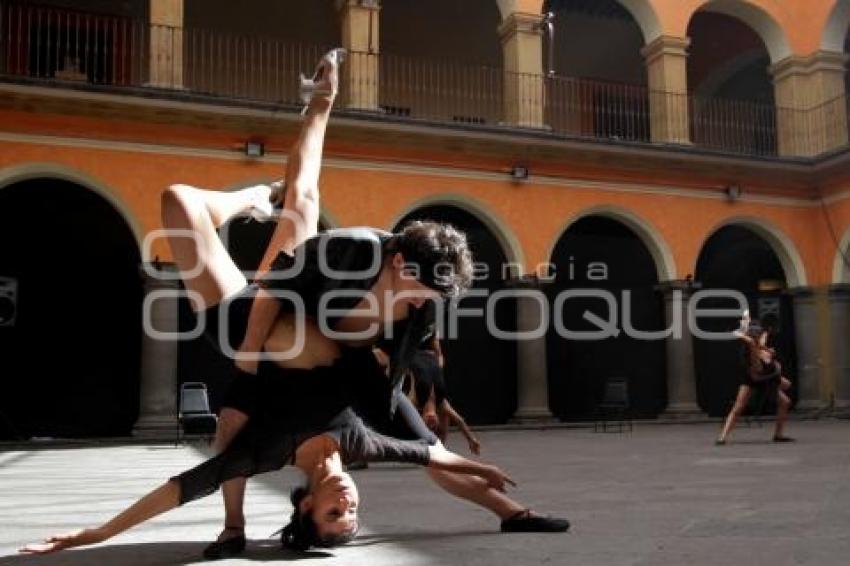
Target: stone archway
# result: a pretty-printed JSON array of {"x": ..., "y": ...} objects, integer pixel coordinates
[
  {"x": 603, "y": 254},
  {"x": 72, "y": 356},
  {"x": 756, "y": 260},
  {"x": 480, "y": 368}
]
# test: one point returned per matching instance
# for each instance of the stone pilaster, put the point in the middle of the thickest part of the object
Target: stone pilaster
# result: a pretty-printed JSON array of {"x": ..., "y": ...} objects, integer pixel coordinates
[
  {"x": 667, "y": 76},
  {"x": 166, "y": 44},
  {"x": 681, "y": 373},
  {"x": 810, "y": 366},
  {"x": 158, "y": 392},
  {"x": 839, "y": 337},
  {"x": 532, "y": 375},
  {"x": 524, "y": 88},
  {"x": 811, "y": 103},
  {"x": 360, "y": 35}
]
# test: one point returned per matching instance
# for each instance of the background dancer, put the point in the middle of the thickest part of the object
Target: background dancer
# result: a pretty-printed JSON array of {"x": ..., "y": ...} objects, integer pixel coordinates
[{"x": 761, "y": 369}]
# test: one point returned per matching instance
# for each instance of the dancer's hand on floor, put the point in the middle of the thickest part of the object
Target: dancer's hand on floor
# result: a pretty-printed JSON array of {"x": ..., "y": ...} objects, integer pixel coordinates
[{"x": 63, "y": 541}]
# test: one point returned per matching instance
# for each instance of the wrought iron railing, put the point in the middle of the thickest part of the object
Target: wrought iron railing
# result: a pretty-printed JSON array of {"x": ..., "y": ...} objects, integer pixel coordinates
[{"x": 67, "y": 47}]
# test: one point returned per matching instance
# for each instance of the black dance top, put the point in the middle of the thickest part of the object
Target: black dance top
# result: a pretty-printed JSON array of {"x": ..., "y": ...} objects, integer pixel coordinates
[
  {"x": 347, "y": 262},
  {"x": 296, "y": 405},
  {"x": 250, "y": 455}
]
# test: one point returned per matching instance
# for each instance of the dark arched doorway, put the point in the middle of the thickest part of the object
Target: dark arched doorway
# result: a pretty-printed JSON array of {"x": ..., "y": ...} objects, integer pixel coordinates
[
  {"x": 602, "y": 254},
  {"x": 735, "y": 257},
  {"x": 480, "y": 368},
  {"x": 70, "y": 362}
]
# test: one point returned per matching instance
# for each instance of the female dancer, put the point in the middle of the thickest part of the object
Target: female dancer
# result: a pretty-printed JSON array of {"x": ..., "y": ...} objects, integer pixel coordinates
[
  {"x": 762, "y": 370},
  {"x": 220, "y": 289},
  {"x": 325, "y": 511}
]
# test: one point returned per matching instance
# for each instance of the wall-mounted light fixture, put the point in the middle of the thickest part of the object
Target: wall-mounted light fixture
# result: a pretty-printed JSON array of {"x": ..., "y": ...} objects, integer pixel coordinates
[
  {"x": 254, "y": 149},
  {"x": 732, "y": 192},
  {"x": 519, "y": 172}
]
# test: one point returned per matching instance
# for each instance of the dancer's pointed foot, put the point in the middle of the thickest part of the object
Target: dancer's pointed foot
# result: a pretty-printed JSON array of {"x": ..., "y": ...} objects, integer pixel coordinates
[
  {"x": 325, "y": 81},
  {"x": 260, "y": 202}
]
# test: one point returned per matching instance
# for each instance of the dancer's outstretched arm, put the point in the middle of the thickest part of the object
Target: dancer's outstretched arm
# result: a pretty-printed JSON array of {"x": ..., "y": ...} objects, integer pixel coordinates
[{"x": 162, "y": 499}]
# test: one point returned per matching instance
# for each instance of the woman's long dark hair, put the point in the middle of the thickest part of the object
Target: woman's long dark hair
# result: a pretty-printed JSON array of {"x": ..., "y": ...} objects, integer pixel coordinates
[{"x": 301, "y": 533}]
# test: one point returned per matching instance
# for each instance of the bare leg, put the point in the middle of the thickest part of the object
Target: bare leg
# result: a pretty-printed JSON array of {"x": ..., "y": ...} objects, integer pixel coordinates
[
  {"x": 782, "y": 405},
  {"x": 298, "y": 222},
  {"x": 475, "y": 489},
  {"x": 191, "y": 216},
  {"x": 234, "y": 517},
  {"x": 744, "y": 392}
]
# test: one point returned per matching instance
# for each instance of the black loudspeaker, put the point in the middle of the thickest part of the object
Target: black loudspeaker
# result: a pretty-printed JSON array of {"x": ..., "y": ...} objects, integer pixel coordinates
[{"x": 8, "y": 301}]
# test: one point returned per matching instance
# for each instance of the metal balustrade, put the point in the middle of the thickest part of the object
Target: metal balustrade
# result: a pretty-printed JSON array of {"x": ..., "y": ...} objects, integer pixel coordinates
[{"x": 68, "y": 48}]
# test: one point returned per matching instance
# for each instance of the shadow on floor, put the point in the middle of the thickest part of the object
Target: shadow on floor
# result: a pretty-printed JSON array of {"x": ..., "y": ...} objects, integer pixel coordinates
[{"x": 158, "y": 554}]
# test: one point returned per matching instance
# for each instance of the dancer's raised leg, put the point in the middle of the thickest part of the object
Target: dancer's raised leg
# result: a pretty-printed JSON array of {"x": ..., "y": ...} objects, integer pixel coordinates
[
  {"x": 190, "y": 217},
  {"x": 298, "y": 221},
  {"x": 300, "y": 217}
]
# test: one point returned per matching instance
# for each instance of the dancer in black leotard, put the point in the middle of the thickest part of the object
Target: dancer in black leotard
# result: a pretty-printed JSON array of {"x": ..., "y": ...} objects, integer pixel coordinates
[
  {"x": 761, "y": 370},
  {"x": 318, "y": 442}
]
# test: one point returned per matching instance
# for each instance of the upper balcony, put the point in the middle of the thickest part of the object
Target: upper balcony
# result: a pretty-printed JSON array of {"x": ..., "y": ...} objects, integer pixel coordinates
[{"x": 73, "y": 49}]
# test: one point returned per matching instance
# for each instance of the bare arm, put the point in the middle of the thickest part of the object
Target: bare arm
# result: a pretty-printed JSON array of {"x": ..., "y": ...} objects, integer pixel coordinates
[
  {"x": 442, "y": 459},
  {"x": 740, "y": 334},
  {"x": 162, "y": 499}
]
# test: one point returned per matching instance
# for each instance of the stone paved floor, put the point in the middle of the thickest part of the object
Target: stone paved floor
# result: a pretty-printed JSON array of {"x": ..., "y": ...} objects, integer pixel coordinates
[{"x": 663, "y": 495}]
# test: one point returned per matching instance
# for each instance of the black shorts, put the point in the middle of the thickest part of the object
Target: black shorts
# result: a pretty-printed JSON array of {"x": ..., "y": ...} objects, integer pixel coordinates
[
  {"x": 225, "y": 327},
  {"x": 227, "y": 322},
  {"x": 242, "y": 393}
]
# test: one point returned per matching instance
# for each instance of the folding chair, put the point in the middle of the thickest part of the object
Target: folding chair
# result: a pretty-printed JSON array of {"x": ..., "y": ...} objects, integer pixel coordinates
[
  {"x": 615, "y": 402},
  {"x": 194, "y": 416}
]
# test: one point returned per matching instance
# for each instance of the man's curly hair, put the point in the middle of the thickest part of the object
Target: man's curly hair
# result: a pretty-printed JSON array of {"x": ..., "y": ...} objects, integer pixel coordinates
[{"x": 438, "y": 252}]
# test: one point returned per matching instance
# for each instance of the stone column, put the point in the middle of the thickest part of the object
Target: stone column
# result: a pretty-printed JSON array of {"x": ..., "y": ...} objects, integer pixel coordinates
[
  {"x": 522, "y": 47},
  {"x": 166, "y": 44},
  {"x": 532, "y": 374},
  {"x": 360, "y": 26},
  {"x": 839, "y": 336},
  {"x": 681, "y": 373},
  {"x": 667, "y": 76},
  {"x": 807, "y": 336},
  {"x": 811, "y": 104},
  {"x": 158, "y": 392}
]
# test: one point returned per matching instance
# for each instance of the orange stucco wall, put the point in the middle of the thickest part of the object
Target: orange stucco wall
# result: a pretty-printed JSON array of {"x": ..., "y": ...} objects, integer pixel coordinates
[
  {"x": 532, "y": 214},
  {"x": 802, "y": 22}
]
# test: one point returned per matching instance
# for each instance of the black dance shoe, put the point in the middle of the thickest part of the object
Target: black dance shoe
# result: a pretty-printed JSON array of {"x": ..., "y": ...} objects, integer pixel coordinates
[
  {"x": 227, "y": 548},
  {"x": 783, "y": 439},
  {"x": 525, "y": 522}
]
